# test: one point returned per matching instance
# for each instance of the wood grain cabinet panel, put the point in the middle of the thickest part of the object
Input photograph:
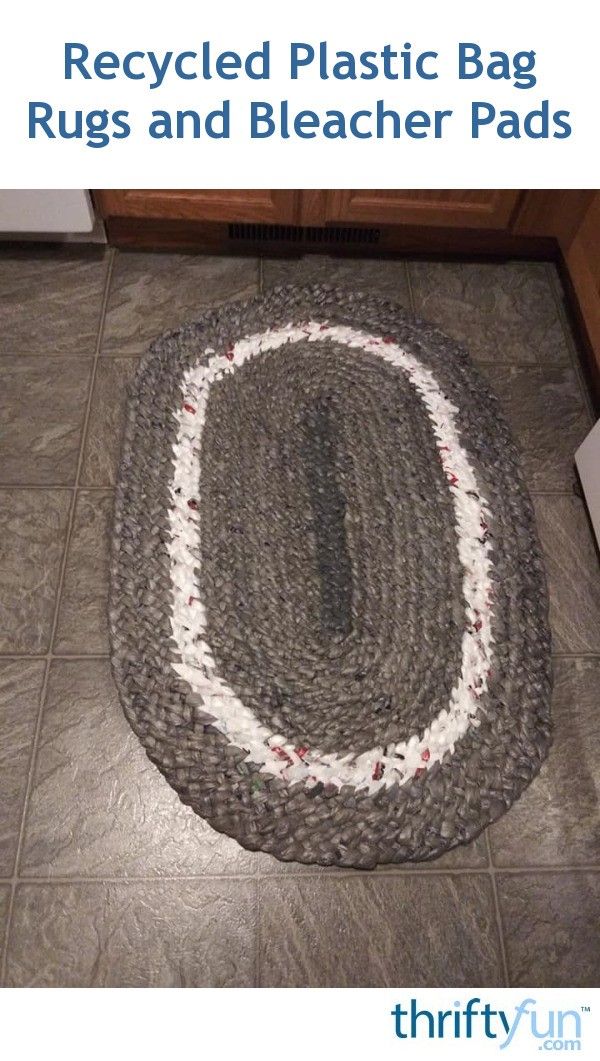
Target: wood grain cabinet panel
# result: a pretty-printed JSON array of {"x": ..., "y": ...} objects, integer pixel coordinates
[
  {"x": 582, "y": 260},
  {"x": 274, "y": 207},
  {"x": 485, "y": 209},
  {"x": 463, "y": 209}
]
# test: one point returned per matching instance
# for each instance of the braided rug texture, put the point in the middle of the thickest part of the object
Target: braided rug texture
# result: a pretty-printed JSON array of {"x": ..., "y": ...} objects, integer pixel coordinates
[{"x": 328, "y": 606}]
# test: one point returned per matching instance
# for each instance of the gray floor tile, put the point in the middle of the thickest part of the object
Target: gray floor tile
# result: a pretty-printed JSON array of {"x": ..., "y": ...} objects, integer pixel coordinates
[
  {"x": 51, "y": 299},
  {"x": 104, "y": 436},
  {"x": 548, "y": 419},
  {"x": 137, "y": 934},
  {"x": 557, "y": 820},
  {"x": 151, "y": 293},
  {"x": 33, "y": 526},
  {"x": 20, "y": 687},
  {"x": 551, "y": 928},
  {"x": 42, "y": 409},
  {"x": 501, "y": 312},
  {"x": 98, "y": 807},
  {"x": 573, "y": 573},
  {"x": 385, "y": 277},
  {"x": 367, "y": 931},
  {"x": 83, "y": 619}
]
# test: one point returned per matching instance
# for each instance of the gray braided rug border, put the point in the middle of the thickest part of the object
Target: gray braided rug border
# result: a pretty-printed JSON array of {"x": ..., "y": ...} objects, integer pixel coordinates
[{"x": 491, "y": 764}]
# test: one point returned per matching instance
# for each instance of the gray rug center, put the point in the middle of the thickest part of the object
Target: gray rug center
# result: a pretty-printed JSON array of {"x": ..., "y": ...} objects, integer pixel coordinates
[
  {"x": 322, "y": 556},
  {"x": 322, "y": 457}
]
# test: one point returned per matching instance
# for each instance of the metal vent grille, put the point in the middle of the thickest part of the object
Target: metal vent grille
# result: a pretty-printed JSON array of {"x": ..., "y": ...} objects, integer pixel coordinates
[{"x": 298, "y": 234}]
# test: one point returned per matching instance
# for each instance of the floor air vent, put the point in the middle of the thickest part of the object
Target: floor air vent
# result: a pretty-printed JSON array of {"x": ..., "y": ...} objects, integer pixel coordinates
[{"x": 256, "y": 233}]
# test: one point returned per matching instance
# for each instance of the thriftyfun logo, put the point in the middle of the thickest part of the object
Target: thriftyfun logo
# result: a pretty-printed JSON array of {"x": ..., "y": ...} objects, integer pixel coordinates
[{"x": 554, "y": 1029}]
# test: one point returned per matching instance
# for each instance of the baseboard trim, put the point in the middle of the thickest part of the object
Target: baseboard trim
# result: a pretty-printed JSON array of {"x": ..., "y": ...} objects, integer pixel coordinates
[{"x": 400, "y": 240}]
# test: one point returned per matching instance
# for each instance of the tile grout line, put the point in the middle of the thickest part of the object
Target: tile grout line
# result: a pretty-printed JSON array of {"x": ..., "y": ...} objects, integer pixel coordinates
[
  {"x": 53, "y": 628},
  {"x": 258, "y": 876},
  {"x": 478, "y": 362},
  {"x": 539, "y": 363},
  {"x": 498, "y": 915},
  {"x": 257, "y": 940},
  {"x": 55, "y": 486},
  {"x": 73, "y": 357},
  {"x": 394, "y": 874},
  {"x": 108, "y": 487},
  {"x": 555, "y": 493},
  {"x": 576, "y": 655},
  {"x": 567, "y": 867},
  {"x": 124, "y": 356},
  {"x": 410, "y": 289},
  {"x": 106, "y": 655},
  {"x": 56, "y": 655}
]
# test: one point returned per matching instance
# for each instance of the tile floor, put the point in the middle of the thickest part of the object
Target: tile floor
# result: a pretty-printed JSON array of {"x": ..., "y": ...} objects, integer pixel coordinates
[{"x": 105, "y": 878}]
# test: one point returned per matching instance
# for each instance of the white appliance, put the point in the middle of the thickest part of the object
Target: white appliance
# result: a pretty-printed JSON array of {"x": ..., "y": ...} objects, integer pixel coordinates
[
  {"x": 63, "y": 211},
  {"x": 587, "y": 460}
]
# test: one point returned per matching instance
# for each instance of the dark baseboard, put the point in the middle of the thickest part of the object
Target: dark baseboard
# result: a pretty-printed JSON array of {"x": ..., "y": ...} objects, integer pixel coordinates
[{"x": 292, "y": 240}]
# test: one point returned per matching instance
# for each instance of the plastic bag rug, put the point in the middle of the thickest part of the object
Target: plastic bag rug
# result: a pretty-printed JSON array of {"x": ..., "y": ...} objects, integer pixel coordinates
[{"x": 328, "y": 606}]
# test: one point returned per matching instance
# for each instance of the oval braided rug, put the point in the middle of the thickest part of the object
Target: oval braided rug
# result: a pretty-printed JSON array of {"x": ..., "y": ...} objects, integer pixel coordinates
[{"x": 328, "y": 606}]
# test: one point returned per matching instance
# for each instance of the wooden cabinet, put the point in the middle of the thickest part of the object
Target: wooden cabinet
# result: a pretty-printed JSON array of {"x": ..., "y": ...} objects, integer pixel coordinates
[
  {"x": 487, "y": 209},
  {"x": 460, "y": 209},
  {"x": 271, "y": 207}
]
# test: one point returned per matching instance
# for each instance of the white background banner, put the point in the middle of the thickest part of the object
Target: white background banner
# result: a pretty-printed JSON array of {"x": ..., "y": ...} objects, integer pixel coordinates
[
  {"x": 521, "y": 125},
  {"x": 324, "y": 1024}
]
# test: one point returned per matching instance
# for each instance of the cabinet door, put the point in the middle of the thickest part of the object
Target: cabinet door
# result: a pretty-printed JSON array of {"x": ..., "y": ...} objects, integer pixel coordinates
[
  {"x": 200, "y": 205},
  {"x": 461, "y": 209}
]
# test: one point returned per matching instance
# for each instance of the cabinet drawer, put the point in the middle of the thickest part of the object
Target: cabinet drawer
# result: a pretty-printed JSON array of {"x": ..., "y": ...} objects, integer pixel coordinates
[
  {"x": 200, "y": 205},
  {"x": 463, "y": 209}
]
